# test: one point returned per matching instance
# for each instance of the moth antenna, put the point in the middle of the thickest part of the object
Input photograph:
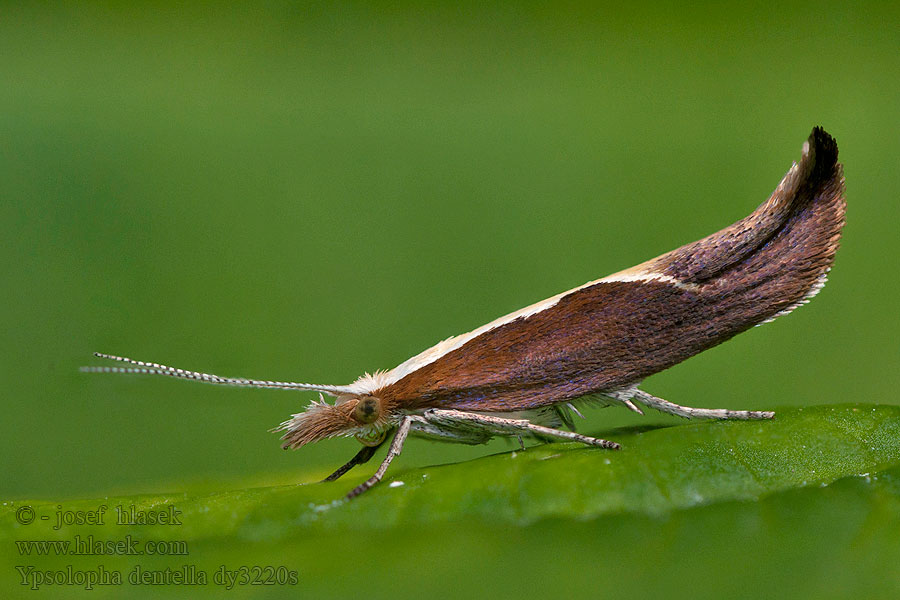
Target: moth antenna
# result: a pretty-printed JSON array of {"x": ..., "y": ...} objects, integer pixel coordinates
[{"x": 140, "y": 367}]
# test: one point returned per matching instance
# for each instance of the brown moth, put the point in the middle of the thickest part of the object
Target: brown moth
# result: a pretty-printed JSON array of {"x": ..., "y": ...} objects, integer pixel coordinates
[{"x": 524, "y": 374}]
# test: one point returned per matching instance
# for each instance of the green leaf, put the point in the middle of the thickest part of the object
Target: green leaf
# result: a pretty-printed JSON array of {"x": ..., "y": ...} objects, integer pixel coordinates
[
  {"x": 657, "y": 471},
  {"x": 758, "y": 497}
]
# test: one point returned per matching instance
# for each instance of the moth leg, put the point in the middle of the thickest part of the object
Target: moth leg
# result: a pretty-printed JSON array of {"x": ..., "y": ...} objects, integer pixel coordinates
[
  {"x": 393, "y": 452},
  {"x": 698, "y": 413},
  {"x": 508, "y": 427},
  {"x": 362, "y": 457}
]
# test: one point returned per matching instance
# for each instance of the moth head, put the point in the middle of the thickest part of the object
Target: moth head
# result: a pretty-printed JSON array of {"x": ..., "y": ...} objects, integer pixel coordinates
[{"x": 362, "y": 416}]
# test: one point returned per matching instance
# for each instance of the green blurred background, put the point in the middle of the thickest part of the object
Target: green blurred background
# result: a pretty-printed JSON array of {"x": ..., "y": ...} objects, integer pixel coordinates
[{"x": 306, "y": 192}]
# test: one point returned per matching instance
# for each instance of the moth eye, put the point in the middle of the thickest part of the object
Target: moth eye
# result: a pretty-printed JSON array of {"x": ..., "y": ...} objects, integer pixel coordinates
[{"x": 368, "y": 410}]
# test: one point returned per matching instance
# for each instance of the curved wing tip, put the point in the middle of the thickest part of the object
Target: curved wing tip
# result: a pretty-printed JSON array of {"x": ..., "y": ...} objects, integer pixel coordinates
[{"x": 823, "y": 149}]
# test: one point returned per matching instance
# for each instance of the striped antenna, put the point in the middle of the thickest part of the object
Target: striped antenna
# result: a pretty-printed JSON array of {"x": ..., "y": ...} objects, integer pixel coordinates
[{"x": 140, "y": 367}]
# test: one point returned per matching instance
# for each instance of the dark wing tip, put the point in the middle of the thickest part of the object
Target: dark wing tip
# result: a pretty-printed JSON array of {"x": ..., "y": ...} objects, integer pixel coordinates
[{"x": 823, "y": 151}]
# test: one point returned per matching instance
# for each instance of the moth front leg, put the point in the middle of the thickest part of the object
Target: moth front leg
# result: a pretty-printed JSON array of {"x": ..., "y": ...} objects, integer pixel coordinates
[
  {"x": 488, "y": 424},
  {"x": 361, "y": 457},
  {"x": 393, "y": 452}
]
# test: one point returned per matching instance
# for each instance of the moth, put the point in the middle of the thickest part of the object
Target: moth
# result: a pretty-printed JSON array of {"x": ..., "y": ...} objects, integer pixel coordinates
[{"x": 527, "y": 373}]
